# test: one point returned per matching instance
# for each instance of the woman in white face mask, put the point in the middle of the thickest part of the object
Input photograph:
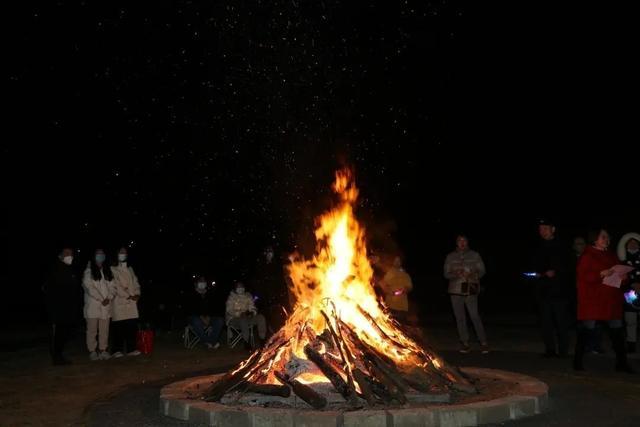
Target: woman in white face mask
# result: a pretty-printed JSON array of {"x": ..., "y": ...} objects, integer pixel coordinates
[
  {"x": 629, "y": 254},
  {"x": 241, "y": 313},
  {"x": 125, "y": 306},
  {"x": 99, "y": 291}
]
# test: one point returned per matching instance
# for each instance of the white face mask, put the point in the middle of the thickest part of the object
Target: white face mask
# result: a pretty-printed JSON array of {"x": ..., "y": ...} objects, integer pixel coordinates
[
  {"x": 633, "y": 251},
  {"x": 240, "y": 290},
  {"x": 67, "y": 259},
  {"x": 201, "y": 286},
  {"x": 122, "y": 257}
]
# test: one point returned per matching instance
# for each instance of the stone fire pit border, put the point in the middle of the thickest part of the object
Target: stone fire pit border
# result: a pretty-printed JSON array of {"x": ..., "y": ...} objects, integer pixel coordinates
[{"x": 528, "y": 397}]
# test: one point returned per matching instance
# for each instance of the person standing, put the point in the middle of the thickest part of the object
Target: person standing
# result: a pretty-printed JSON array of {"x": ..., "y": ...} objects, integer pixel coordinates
[
  {"x": 598, "y": 301},
  {"x": 99, "y": 291},
  {"x": 396, "y": 285},
  {"x": 464, "y": 268},
  {"x": 124, "y": 307},
  {"x": 629, "y": 254},
  {"x": 61, "y": 294},
  {"x": 549, "y": 264}
]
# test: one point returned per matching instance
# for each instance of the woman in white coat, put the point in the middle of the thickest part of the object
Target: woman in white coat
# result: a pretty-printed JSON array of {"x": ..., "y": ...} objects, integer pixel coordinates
[
  {"x": 99, "y": 291},
  {"x": 125, "y": 307}
]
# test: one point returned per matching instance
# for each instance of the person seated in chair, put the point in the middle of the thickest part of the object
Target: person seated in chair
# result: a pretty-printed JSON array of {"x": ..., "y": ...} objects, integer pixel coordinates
[
  {"x": 206, "y": 326},
  {"x": 242, "y": 313}
]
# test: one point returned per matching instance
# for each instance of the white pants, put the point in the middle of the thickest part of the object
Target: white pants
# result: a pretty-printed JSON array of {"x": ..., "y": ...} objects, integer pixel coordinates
[
  {"x": 631, "y": 319},
  {"x": 98, "y": 327}
]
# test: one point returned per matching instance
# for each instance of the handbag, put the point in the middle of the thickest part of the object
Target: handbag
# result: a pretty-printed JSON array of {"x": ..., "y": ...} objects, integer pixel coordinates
[
  {"x": 467, "y": 288},
  {"x": 144, "y": 341}
]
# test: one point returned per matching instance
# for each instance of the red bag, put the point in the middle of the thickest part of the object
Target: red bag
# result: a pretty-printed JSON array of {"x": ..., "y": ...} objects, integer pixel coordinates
[{"x": 144, "y": 341}]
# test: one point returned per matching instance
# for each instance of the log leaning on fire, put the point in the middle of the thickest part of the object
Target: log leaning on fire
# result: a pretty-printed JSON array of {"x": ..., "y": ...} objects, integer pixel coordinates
[
  {"x": 303, "y": 391},
  {"x": 233, "y": 380},
  {"x": 229, "y": 381},
  {"x": 332, "y": 375}
]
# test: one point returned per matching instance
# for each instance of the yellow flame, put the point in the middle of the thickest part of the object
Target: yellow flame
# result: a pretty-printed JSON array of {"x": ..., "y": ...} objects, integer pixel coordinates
[{"x": 340, "y": 273}]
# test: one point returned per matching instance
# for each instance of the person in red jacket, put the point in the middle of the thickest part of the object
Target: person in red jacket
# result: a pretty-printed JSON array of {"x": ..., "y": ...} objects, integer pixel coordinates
[{"x": 597, "y": 301}]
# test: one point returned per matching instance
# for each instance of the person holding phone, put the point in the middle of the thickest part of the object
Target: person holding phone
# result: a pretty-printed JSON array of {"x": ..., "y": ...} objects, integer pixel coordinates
[{"x": 464, "y": 268}]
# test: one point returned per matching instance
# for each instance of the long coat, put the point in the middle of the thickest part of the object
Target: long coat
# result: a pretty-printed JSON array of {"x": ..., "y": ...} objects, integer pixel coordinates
[
  {"x": 126, "y": 284},
  {"x": 96, "y": 291},
  {"x": 597, "y": 301}
]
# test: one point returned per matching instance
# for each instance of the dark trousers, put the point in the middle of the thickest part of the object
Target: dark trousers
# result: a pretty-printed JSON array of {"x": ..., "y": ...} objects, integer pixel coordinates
[
  {"x": 210, "y": 336},
  {"x": 60, "y": 334},
  {"x": 123, "y": 333},
  {"x": 554, "y": 322}
]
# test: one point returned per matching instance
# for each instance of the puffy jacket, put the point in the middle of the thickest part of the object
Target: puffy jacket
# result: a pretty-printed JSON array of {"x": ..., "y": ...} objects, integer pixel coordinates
[
  {"x": 126, "y": 284},
  {"x": 469, "y": 261},
  {"x": 96, "y": 291},
  {"x": 238, "y": 304}
]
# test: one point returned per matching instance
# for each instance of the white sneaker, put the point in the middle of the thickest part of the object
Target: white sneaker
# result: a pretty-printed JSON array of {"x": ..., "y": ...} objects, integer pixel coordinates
[
  {"x": 117, "y": 355},
  {"x": 93, "y": 356},
  {"x": 104, "y": 355},
  {"x": 134, "y": 353}
]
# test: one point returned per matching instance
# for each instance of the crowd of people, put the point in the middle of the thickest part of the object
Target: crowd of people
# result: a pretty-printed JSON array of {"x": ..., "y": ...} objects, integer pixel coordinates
[
  {"x": 589, "y": 287},
  {"x": 110, "y": 299}
]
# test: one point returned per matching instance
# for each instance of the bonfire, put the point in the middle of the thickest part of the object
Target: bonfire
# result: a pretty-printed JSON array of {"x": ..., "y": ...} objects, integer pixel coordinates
[{"x": 339, "y": 334}]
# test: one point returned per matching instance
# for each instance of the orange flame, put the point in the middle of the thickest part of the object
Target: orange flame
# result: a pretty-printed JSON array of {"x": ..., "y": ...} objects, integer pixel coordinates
[{"x": 338, "y": 280}]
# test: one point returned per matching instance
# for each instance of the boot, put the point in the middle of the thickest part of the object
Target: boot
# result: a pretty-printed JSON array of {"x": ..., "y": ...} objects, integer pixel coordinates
[
  {"x": 581, "y": 342},
  {"x": 618, "y": 342}
]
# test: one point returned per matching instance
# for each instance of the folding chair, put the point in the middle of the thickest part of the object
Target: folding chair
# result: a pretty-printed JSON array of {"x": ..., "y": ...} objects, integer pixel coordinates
[
  {"x": 234, "y": 336},
  {"x": 191, "y": 339}
]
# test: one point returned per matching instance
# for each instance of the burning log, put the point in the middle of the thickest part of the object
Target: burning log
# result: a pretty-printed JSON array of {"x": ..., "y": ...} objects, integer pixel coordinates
[
  {"x": 332, "y": 375},
  {"x": 304, "y": 392},
  {"x": 365, "y": 387},
  {"x": 371, "y": 355},
  {"x": 379, "y": 390},
  {"x": 269, "y": 389},
  {"x": 420, "y": 381},
  {"x": 358, "y": 375},
  {"x": 229, "y": 381},
  {"x": 389, "y": 384},
  {"x": 342, "y": 349},
  {"x": 326, "y": 337},
  {"x": 242, "y": 375}
]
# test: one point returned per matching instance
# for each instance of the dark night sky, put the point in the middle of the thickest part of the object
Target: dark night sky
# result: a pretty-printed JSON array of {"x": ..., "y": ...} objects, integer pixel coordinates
[{"x": 204, "y": 130}]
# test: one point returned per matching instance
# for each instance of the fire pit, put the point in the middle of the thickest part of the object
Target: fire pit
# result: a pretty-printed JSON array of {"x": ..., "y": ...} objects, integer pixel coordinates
[{"x": 341, "y": 358}]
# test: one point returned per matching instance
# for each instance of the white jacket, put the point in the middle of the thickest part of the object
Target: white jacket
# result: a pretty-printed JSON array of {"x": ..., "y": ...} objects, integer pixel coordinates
[
  {"x": 96, "y": 291},
  {"x": 127, "y": 285},
  {"x": 238, "y": 304}
]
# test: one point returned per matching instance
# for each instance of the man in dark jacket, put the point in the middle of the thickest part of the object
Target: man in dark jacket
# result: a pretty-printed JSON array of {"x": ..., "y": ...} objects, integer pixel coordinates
[
  {"x": 62, "y": 293},
  {"x": 202, "y": 306},
  {"x": 549, "y": 263}
]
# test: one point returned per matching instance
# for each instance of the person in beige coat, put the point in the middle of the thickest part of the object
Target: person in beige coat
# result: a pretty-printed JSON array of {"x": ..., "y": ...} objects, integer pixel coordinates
[
  {"x": 464, "y": 268},
  {"x": 125, "y": 307},
  {"x": 99, "y": 291}
]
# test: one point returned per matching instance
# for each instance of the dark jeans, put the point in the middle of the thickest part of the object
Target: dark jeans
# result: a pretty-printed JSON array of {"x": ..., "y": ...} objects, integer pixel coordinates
[
  {"x": 213, "y": 335},
  {"x": 60, "y": 334},
  {"x": 554, "y": 322},
  {"x": 123, "y": 333}
]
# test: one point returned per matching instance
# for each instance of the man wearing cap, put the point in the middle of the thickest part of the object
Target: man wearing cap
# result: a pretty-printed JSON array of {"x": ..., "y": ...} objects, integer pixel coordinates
[{"x": 549, "y": 265}]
